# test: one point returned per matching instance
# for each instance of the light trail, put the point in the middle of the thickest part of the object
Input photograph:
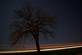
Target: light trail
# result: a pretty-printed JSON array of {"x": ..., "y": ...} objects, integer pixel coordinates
[{"x": 25, "y": 51}]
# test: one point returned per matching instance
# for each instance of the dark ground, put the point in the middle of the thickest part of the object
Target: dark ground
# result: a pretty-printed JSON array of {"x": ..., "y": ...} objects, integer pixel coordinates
[{"x": 75, "y": 51}]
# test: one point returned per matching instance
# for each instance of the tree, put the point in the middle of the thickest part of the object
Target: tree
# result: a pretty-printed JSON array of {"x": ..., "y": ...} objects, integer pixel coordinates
[{"x": 34, "y": 21}]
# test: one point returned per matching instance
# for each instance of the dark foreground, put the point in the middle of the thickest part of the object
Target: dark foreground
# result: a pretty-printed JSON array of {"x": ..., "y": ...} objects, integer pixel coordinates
[{"x": 74, "y": 51}]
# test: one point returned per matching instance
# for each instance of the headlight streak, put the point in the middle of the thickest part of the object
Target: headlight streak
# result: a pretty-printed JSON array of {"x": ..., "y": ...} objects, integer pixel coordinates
[{"x": 24, "y": 51}]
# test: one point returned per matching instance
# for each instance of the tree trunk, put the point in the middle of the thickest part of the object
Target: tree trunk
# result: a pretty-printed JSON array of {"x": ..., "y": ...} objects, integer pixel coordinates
[
  {"x": 37, "y": 45},
  {"x": 36, "y": 38}
]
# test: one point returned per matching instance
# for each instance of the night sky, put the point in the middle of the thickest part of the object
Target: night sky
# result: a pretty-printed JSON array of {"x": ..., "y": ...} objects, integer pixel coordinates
[{"x": 68, "y": 12}]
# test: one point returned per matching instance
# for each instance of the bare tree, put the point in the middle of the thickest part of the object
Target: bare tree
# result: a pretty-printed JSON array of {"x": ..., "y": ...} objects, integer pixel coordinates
[{"x": 34, "y": 21}]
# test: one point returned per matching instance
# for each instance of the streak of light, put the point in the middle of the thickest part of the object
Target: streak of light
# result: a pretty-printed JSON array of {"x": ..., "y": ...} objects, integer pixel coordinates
[{"x": 23, "y": 51}]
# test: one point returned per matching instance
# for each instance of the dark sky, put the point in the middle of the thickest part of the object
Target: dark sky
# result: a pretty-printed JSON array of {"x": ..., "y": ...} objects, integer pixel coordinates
[{"x": 68, "y": 23}]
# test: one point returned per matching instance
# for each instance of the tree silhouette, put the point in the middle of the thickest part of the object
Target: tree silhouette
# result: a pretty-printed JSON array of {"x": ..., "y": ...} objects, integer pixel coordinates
[{"x": 30, "y": 20}]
